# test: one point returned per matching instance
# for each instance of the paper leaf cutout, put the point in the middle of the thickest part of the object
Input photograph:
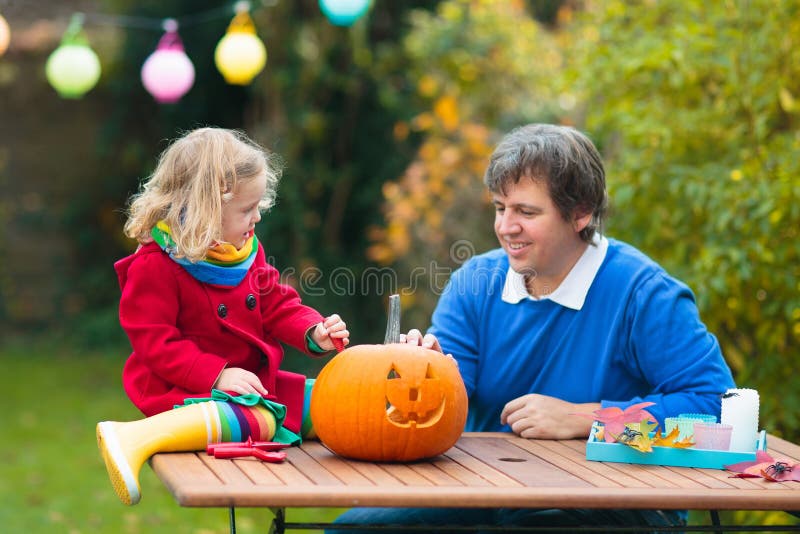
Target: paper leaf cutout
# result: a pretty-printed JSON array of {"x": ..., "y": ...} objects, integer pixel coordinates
[
  {"x": 634, "y": 438},
  {"x": 769, "y": 468},
  {"x": 599, "y": 434},
  {"x": 615, "y": 418},
  {"x": 781, "y": 471},
  {"x": 671, "y": 440},
  {"x": 685, "y": 443},
  {"x": 762, "y": 457},
  {"x": 744, "y": 475},
  {"x": 665, "y": 441},
  {"x": 647, "y": 427}
]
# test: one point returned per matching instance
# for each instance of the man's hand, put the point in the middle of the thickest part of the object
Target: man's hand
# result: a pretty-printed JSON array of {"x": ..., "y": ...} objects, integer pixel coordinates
[
  {"x": 542, "y": 417},
  {"x": 239, "y": 381},
  {"x": 415, "y": 337}
]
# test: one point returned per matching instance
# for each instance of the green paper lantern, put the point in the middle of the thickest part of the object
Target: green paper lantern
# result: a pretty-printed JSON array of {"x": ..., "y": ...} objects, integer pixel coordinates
[{"x": 73, "y": 68}]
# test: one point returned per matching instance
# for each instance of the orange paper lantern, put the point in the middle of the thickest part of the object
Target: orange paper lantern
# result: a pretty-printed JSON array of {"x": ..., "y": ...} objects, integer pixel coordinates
[
  {"x": 393, "y": 402},
  {"x": 5, "y": 35}
]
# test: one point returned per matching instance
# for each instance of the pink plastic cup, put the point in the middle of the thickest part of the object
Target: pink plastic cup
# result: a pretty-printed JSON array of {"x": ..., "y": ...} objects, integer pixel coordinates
[{"x": 712, "y": 436}]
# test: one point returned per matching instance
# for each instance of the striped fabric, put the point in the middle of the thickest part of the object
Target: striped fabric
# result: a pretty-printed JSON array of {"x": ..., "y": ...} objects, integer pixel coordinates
[{"x": 225, "y": 265}]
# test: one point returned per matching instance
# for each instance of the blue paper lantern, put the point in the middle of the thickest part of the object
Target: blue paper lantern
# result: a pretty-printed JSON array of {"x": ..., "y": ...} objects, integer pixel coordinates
[{"x": 343, "y": 12}]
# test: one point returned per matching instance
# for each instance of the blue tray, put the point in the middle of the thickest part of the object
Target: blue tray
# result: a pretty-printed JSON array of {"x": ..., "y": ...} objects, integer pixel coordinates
[{"x": 601, "y": 451}]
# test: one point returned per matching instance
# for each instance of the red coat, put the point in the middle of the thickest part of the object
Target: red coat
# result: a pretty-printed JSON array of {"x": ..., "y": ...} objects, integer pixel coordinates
[{"x": 185, "y": 332}]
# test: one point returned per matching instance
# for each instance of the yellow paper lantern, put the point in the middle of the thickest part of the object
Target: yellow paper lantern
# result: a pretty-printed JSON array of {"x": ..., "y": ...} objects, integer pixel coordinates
[
  {"x": 5, "y": 35},
  {"x": 73, "y": 68},
  {"x": 240, "y": 54}
]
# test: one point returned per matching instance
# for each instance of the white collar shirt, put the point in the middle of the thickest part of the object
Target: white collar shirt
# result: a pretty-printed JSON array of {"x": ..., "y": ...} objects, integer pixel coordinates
[{"x": 572, "y": 291}]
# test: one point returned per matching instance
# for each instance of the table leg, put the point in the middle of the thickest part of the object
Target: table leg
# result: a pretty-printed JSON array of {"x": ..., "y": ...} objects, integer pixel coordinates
[
  {"x": 715, "y": 521},
  {"x": 279, "y": 522},
  {"x": 232, "y": 515}
]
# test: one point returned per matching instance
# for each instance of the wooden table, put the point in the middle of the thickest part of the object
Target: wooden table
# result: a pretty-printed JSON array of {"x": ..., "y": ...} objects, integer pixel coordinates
[{"x": 482, "y": 470}]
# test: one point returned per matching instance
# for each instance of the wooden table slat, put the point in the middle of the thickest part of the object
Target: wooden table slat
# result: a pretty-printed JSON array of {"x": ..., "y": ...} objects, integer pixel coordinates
[
  {"x": 406, "y": 475},
  {"x": 262, "y": 475},
  {"x": 615, "y": 473},
  {"x": 458, "y": 471},
  {"x": 289, "y": 474},
  {"x": 702, "y": 476},
  {"x": 566, "y": 461},
  {"x": 306, "y": 464},
  {"x": 780, "y": 447},
  {"x": 375, "y": 473},
  {"x": 518, "y": 464},
  {"x": 230, "y": 472},
  {"x": 336, "y": 465},
  {"x": 434, "y": 474},
  {"x": 475, "y": 465}
]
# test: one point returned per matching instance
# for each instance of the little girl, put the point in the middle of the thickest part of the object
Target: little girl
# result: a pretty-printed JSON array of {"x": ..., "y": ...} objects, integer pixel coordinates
[{"x": 205, "y": 313}]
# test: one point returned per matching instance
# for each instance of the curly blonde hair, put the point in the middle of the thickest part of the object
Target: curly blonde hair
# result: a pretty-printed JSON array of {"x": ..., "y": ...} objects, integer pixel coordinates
[{"x": 194, "y": 178}]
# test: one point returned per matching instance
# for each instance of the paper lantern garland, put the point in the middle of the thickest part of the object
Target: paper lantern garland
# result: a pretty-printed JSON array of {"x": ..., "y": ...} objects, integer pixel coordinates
[
  {"x": 168, "y": 73},
  {"x": 73, "y": 68}
]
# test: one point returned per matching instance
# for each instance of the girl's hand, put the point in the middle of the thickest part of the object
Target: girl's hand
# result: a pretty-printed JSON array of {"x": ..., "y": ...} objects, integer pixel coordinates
[
  {"x": 239, "y": 381},
  {"x": 331, "y": 327}
]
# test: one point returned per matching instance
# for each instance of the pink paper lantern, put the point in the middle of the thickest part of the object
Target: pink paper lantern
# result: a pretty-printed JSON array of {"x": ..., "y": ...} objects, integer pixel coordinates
[{"x": 168, "y": 73}]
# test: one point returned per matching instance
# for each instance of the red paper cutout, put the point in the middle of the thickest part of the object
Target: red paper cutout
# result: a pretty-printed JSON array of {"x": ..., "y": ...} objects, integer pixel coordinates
[
  {"x": 768, "y": 468},
  {"x": 615, "y": 418}
]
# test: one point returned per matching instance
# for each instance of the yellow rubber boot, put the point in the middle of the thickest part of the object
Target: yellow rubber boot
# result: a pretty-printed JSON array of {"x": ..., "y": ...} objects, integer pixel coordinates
[{"x": 127, "y": 446}]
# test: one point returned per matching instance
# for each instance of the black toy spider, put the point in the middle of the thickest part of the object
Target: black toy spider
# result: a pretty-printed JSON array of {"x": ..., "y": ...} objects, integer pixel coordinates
[
  {"x": 628, "y": 435},
  {"x": 777, "y": 469}
]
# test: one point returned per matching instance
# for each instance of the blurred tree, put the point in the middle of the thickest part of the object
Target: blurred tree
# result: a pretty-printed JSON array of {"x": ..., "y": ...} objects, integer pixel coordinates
[
  {"x": 478, "y": 67},
  {"x": 701, "y": 139}
]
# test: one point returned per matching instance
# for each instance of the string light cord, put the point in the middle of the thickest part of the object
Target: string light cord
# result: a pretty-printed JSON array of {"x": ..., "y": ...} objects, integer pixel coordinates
[{"x": 183, "y": 22}]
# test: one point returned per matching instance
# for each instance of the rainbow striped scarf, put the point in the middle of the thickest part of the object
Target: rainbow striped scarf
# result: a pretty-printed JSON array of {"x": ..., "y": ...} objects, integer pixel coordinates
[{"x": 224, "y": 264}]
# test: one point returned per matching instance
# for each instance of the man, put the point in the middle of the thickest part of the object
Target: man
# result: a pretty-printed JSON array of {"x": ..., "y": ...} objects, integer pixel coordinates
[{"x": 561, "y": 320}]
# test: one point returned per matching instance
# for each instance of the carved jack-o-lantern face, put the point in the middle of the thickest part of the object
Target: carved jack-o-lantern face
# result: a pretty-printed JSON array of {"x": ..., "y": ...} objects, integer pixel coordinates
[
  {"x": 389, "y": 403},
  {"x": 414, "y": 398}
]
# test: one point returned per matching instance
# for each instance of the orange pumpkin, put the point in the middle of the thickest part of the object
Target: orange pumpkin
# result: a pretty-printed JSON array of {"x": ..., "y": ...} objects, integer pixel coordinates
[{"x": 389, "y": 403}]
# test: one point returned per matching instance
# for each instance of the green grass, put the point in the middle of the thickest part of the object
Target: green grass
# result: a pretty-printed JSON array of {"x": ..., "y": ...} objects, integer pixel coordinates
[{"x": 52, "y": 478}]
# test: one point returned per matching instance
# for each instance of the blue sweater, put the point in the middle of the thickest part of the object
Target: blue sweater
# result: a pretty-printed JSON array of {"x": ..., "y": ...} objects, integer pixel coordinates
[{"x": 638, "y": 337}]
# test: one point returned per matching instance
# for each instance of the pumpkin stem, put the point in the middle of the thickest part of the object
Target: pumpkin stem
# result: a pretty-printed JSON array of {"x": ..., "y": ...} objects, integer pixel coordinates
[{"x": 393, "y": 322}]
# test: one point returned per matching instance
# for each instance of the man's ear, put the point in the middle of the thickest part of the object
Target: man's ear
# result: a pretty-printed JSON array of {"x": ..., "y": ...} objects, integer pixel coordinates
[{"x": 581, "y": 220}]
